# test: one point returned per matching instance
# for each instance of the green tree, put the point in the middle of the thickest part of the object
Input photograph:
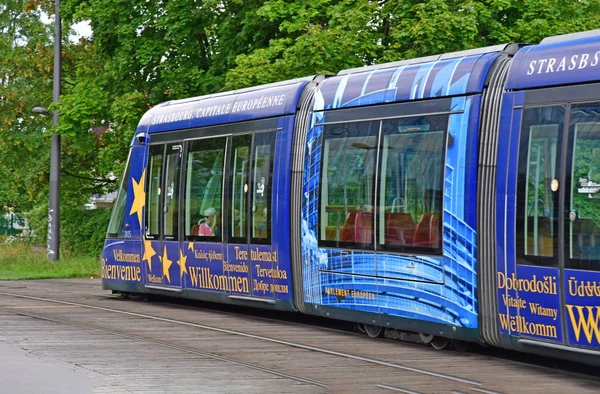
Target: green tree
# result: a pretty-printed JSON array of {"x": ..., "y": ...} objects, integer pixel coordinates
[
  {"x": 326, "y": 36},
  {"x": 26, "y": 82},
  {"x": 146, "y": 52}
]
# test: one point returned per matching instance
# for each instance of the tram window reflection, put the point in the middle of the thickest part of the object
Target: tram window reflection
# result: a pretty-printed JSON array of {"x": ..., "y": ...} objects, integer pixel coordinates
[
  {"x": 171, "y": 193},
  {"x": 203, "y": 184},
  {"x": 537, "y": 191},
  {"x": 410, "y": 197},
  {"x": 347, "y": 184},
  {"x": 116, "y": 226},
  {"x": 154, "y": 188},
  {"x": 583, "y": 200},
  {"x": 264, "y": 145},
  {"x": 238, "y": 187}
]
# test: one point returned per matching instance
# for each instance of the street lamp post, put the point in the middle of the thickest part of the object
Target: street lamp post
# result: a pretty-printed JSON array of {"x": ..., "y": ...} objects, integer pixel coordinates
[{"x": 54, "y": 205}]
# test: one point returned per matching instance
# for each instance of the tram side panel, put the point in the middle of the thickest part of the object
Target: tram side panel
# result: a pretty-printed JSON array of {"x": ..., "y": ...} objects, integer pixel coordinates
[
  {"x": 538, "y": 298},
  {"x": 280, "y": 224},
  {"x": 242, "y": 177},
  {"x": 410, "y": 263},
  {"x": 222, "y": 161},
  {"x": 121, "y": 262},
  {"x": 266, "y": 256},
  {"x": 548, "y": 271}
]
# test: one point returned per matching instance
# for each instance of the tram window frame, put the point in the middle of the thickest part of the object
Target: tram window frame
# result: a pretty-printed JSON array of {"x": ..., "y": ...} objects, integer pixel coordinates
[
  {"x": 242, "y": 238},
  {"x": 251, "y": 218},
  {"x": 172, "y": 162},
  {"x": 373, "y": 131},
  {"x": 188, "y": 150},
  {"x": 117, "y": 217},
  {"x": 379, "y": 114},
  {"x": 527, "y": 124},
  {"x": 158, "y": 148},
  {"x": 588, "y": 227},
  {"x": 266, "y": 212},
  {"x": 420, "y": 213},
  {"x": 377, "y": 207}
]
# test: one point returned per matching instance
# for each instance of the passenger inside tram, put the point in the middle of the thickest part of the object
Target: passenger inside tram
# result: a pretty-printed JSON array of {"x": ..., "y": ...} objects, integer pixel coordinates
[{"x": 207, "y": 226}]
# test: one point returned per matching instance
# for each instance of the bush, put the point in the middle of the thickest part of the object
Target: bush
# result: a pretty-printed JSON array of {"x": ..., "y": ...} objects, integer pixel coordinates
[
  {"x": 38, "y": 223},
  {"x": 82, "y": 231}
]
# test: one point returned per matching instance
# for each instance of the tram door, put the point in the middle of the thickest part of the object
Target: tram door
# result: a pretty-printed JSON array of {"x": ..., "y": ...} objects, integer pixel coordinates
[
  {"x": 251, "y": 256},
  {"x": 161, "y": 246},
  {"x": 582, "y": 189},
  {"x": 582, "y": 228},
  {"x": 558, "y": 223}
]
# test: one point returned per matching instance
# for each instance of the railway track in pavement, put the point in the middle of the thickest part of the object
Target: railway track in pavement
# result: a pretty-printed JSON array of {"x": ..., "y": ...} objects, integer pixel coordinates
[{"x": 273, "y": 355}]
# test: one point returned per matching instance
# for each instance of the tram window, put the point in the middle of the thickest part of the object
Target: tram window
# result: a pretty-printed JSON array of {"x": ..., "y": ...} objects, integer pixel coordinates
[
  {"x": 117, "y": 217},
  {"x": 171, "y": 193},
  {"x": 537, "y": 186},
  {"x": 583, "y": 199},
  {"x": 264, "y": 145},
  {"x": 412, "y": 169},
  {"x": 238, "y": 188},
  {"x": 203, "y": 194},
  {"x": 155, "y": 164},
  {"x": 347, "y": 184}
]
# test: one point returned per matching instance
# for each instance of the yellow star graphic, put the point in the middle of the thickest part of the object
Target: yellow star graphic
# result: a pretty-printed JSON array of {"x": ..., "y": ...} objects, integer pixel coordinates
[
  {"x": 166, "y": 263},
  {"x": 148, "y": 252},
  {"x": 139, "y": 197},
  {"x": 191, "y": 246},
  {"x": 181, "y": 262}
]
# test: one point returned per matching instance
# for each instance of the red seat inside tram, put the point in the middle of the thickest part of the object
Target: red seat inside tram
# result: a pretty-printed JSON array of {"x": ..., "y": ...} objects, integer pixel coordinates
[
  {"x": 364, "y": 228},
  {"x": 399, "y": 229},
  {"x": 347, "y": 232},
  {"x": 427, "y": 231},
  {"x": 358, "y": 228}
]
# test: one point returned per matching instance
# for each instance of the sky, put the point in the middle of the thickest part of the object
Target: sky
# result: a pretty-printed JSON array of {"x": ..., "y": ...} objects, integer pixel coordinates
[{"x": 81, "y": 29}]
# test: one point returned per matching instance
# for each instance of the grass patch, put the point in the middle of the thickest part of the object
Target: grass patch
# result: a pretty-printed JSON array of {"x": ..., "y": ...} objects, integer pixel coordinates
[{"x": 21, "y": 261}]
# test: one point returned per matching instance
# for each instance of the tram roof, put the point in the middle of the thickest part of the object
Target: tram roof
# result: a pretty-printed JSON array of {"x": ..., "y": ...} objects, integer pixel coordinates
[
  {"x": 257, "y": 102},
  {"x": 443, "y": 75},
  {"x": 559, "y": 60}
]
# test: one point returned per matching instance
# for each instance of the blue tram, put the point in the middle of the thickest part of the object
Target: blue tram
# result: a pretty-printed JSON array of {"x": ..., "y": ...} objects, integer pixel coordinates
[{"x": 452, "y": 196}]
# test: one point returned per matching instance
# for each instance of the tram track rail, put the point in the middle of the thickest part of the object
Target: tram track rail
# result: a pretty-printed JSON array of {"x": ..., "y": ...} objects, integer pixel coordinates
[
  {"x": 233, "y": 332},
  {"x": 190, "y": 350},
  {"x": 163, "y": 310},
  {"x": 336, "y": 326}
]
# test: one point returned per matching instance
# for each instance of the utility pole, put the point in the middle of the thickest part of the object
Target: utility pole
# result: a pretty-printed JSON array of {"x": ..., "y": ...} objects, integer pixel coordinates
[{"x": 54, "y": 206}]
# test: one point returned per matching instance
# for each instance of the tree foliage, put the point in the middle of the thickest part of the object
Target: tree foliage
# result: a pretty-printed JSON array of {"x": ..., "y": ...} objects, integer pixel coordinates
[
  {"x": 25, "y": 82},
  {"x": 145, "y": 52}
]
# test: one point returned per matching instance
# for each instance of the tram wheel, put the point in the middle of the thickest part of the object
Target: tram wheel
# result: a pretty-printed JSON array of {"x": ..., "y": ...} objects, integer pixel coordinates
[
  {"x": 426, "y": 338},
  {"x": 440, "y": 343},
  {"x": 360, "y": 327},
  {"x": 373, "y": 331}
]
